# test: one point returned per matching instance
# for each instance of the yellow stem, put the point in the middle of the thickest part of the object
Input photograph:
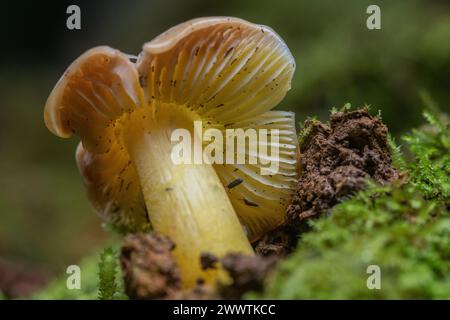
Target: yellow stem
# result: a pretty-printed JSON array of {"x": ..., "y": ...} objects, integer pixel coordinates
[{"x": 186, "y": 202}]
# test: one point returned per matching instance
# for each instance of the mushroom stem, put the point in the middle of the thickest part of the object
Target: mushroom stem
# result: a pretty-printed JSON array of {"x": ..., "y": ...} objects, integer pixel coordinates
[{"x": 186, "y": 202}]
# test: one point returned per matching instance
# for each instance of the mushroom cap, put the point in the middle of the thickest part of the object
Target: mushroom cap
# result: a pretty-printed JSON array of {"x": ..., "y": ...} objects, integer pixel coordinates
[{"x": 227, "y": 71}]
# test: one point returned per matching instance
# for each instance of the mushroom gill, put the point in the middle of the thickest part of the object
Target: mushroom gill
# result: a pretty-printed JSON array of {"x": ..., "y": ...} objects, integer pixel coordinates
[{"x": 226, "y": 73}]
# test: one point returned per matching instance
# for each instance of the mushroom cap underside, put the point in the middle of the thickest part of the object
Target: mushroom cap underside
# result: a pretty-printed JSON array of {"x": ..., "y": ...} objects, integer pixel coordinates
[{"x": 228, "y": 72}]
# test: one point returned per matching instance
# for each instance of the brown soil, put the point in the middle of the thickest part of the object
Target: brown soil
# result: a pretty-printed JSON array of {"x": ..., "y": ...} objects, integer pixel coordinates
[
  {"x": 150, "y": 271},
  {"x": 247, "y": 273},
  {"x": 336, "y": 161},
  {"x": 208, "y": 261}
]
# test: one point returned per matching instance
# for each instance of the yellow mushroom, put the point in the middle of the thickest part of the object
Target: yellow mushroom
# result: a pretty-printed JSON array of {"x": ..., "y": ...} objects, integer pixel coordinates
[{"x": 227, "y": 73}]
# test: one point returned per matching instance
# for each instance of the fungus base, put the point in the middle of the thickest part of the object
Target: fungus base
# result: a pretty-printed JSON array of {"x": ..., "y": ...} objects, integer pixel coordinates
[{"x": 186, "y": 202}]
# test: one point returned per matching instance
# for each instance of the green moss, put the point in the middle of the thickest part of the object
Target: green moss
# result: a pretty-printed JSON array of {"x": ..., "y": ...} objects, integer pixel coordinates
[
  {"x": 100, "y": 279},
  {"x": 430, "y": 168},
  {"x": 109, "y": 286},
  {"x": 403, "y": 228},
  {"x": 89, "y": 284}
]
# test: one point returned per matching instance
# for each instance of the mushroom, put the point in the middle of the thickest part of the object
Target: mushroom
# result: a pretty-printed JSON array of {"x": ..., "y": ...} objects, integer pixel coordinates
[{"x": 225, "y": 72}]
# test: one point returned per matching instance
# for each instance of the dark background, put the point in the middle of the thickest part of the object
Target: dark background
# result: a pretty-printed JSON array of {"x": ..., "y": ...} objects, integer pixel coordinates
[{"x": 45, "y": 218}]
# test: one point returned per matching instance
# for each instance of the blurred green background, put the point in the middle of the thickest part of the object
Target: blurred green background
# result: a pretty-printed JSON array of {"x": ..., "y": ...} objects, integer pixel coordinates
[{"x": 45, "y": 218}]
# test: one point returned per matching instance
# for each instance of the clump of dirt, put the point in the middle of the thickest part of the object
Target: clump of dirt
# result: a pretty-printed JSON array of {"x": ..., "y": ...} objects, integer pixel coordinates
[
  {"x": 208, "y": 261},
  {"x": 150, "y": 271},
  {"x": 336, "y": 160},
  {"x": 248, "y": 273},
  {"x": 148, "y": 267},
  {"x": 278, "y": 243}
]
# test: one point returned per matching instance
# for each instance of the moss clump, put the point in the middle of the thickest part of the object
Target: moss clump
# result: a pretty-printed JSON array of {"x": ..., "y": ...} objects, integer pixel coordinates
[
  {"x": 109, "y": 285},
  {"x": 430, "y": 169},
  {"x": 89, "y": 284},
  {"x": 100, "y": 279},
  {"x": 403, "y": 228}
]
